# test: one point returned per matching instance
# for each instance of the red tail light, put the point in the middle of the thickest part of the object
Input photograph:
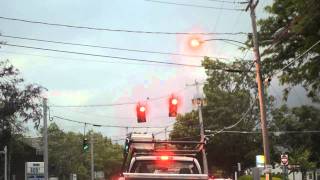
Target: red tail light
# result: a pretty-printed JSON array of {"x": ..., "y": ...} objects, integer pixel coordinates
[
  {"x": 121, "y": 178},
  {"x": 164, "y": 158}
]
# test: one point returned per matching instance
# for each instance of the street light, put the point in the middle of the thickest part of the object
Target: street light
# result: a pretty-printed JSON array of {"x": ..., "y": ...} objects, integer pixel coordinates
[{"x": 196, "y": 42}]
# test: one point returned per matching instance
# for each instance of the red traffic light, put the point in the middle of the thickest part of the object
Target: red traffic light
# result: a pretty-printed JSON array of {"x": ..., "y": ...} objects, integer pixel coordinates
[
  {"x": 141, "y": 113},
  {"x": 173, "y": 106}
]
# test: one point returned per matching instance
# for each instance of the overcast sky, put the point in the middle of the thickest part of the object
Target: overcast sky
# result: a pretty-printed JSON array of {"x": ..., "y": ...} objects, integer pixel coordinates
[{"x": 81, "y": 80}]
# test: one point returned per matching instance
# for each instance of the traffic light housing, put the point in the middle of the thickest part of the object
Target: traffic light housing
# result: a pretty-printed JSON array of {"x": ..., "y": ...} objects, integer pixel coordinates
[
  {"x": 141, "y": 113},
  {"x": 85, "y": 145},
  {"x": 173, "y": 106}
]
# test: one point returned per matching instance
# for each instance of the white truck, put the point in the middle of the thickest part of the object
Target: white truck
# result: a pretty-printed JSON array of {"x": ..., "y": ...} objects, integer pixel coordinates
[{"x": 148, "y": 159}]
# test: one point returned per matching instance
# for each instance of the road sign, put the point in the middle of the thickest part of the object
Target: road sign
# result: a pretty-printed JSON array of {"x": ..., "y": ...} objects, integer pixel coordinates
[
  {"x": 284, "y": 160},
  {"x": 34, "y": 170}
]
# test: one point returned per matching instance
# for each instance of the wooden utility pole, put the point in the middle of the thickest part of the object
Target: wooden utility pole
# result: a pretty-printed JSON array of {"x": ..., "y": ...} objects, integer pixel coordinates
[{"x": 252, "y": 5}]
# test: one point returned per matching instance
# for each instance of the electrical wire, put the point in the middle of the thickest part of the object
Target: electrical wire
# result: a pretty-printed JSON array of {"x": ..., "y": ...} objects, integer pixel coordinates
[
  {"x": 76, "y": 59},
  {"x": 297, "y": 58},
  {"x": 119, "y": 30},
  {"x": 108, "y": 47},
  {"x": 110, "y": 117},
  {"x": 116, "y": 104},
  {"x": 271, "y": 132},
  {"x": 104, "y": 125},
  {"x": 103, "y": 56},
  {"x": 93, "y": 105},
  {"x": 241, "y": 119},
  {"x": 194, "y": 5},
  {"x": 120, "y": 58}
]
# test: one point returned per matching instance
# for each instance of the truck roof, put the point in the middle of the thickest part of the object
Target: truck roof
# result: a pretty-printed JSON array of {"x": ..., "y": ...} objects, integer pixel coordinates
[{"x": 175, "y": 158}]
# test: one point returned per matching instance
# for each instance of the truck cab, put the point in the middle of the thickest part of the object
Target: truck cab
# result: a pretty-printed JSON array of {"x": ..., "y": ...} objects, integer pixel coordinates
[{"x": 147, "y": 158}]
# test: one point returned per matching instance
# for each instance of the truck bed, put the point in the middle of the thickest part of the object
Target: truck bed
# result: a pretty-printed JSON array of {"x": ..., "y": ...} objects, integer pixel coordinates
[{"x": 141, "y": 176}]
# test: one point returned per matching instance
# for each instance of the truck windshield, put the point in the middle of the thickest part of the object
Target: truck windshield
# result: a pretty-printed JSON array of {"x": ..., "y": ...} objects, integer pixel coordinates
[{"x": 165, "y": 167}]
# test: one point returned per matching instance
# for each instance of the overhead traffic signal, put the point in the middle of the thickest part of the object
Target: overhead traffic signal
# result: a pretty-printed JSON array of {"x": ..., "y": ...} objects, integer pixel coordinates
[
  {"x": 173, "y": 106},
  {"x": 85, "y": 145},
  {"x": 141, "y": 113}
]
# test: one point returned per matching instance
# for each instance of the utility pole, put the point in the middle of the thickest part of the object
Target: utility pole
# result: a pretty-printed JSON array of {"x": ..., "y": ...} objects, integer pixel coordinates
[
  {"x": 92, "y": 158},
  {"x": 199, "y": 102},
  {"x": 45, "y": 139},
  {"x": 252, "y": 5},
  {"x": 5, "y": 152}
]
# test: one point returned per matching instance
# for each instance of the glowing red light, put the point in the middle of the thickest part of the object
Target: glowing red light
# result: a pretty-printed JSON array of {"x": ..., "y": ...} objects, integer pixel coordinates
[
  {"x": 174, "y": 101},
  {"x": 164, "y": 158},
  {"x": 142, "y": 109}
]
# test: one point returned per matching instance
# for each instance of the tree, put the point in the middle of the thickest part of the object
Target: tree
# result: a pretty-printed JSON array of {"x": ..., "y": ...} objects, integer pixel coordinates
[
  {"x": 229, "y": 95},
  {"x": 291, "y": 29},
  {"x": 303, "y": 148},
  {"x": 66, "y": 155},
  {"x": 19, "y": 102}
]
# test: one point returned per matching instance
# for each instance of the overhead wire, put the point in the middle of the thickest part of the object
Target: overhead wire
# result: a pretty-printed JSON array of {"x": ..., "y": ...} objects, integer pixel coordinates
[
  {"x": 194, "y": 5},
  {"x": 108, "y": 47},
  {"x": 76, "y": 59},
  {"x": 119, "y": 58},
  {"x": 297, "y": 58},
  {"x": 271, "y": 132},
  {"x": 105, "y": 125},
  {"x": 116, "y": 104},
  {"x": 118, "y": 30},
  {"x": 104, "y": 56},
  {"x": 106, "y": 116},
  {"x": 244, "y": 115}
]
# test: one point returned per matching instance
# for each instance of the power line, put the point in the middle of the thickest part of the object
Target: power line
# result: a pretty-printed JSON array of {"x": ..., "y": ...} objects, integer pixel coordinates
[
  {"x": 241, "y": 119},
  {"x": 110, "y": 117},
  {"x": 93, "y": 105},
  {"x": 104, "y": 125},
  {"x": 120, "y": 58},
  {"x": 271, "y": 132},
  {"x": 104, "y": 56},
  {"x": 119, "y": 30},
  {"x": 194, "y": 5},
  {"x": 115, "y": 104},
  {"x": 74, "y": 59},
  {"x": 112, "y": 48},
  {"x": 297, "y": 58}
]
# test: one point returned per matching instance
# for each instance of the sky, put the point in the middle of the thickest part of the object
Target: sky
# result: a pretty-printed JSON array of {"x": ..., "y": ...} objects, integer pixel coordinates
[{"x": 73, "y": 79}]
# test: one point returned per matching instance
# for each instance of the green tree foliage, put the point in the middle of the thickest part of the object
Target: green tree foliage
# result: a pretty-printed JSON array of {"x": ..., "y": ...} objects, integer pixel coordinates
[
  {"x": 186, "y": 127},
  {"x": 229, "y": 95},
  {"x": 19, "y": 102},
  {"x": 66, "y": 155},
  {"x": 291, "y": 28},
  {"x": 303, "y": 148}
]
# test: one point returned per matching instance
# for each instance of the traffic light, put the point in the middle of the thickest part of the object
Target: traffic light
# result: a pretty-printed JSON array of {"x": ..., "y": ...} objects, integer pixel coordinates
[
  {"x": 141, "y": 113},
  {"x": 85, "y": 145},
  {"x": 173, "y": 106}
]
